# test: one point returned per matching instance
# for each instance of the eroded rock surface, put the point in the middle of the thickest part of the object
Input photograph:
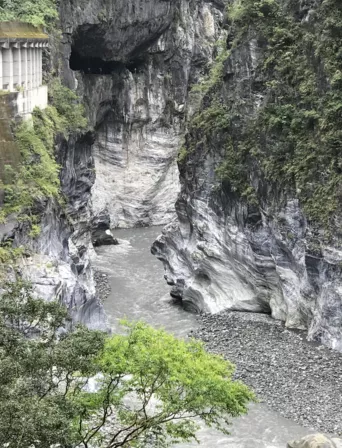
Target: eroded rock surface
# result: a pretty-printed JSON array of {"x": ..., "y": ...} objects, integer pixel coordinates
[
  {"x": 134, "y": 64},
  {"x": 101, "y": 234},
  {"x": 57, "y": 261},
  {"x": 222, "y": 255},
  {"x": 226, "y": 252}
]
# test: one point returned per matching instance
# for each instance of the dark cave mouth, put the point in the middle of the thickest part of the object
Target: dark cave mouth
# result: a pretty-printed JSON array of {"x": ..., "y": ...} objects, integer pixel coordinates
[{"x": 98, "y": 66}]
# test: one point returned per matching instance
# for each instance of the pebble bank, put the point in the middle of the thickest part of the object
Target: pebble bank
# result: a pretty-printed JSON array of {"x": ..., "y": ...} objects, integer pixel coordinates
[{"x": 300, "y": 380}]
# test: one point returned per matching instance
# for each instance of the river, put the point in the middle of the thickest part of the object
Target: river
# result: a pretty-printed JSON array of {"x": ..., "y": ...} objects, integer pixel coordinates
[{"x": 138, "y": 291}]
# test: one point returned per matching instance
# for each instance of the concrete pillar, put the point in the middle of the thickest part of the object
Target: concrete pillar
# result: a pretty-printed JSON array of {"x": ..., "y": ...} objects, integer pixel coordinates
[
  {"x": 16, "y": 66},
  {"x": 37, "y": 66},
  {"x": 41, "y": 65},
  {"x": 28, "y": 58},
  {"x": 7, "y": 68},
  {"x": 33, "y": 66},
  {"x": 24, "y": 74},
  {"x": 30, "y": 66},
  {"x": 0, "y": 68}
]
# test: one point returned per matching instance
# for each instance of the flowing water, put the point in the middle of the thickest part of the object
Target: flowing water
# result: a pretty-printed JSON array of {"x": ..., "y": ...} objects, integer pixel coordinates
[{"x": 140, "y": 292}]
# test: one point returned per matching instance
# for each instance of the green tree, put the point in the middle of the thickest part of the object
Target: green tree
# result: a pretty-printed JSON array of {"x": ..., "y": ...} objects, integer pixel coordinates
[
  {"x": 148, "y": 383},
  {"x": 42, "y": 12},
  {"x": 37, "y": 369}
]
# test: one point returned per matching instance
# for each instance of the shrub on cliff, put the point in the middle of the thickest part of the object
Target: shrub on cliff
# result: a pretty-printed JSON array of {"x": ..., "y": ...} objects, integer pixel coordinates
[
  {"x": 37, "y": 176},
  {"x": 148, "y": 384},
  {"x": 280, "y": 122}
]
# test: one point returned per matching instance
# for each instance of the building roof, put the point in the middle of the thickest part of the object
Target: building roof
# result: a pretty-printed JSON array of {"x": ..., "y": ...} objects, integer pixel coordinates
[{"x": 21, "y": 31}]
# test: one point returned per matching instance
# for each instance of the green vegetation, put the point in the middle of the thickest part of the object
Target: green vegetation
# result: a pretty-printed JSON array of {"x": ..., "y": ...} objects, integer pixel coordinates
[
  {"x": 44, "y": 398},
  {"x": 35, "y": 373},
  {"x": 182, "y": 155},
  {"x": 42, "y": 12},
  {"x": 294, "y": 137},
  {"x": 38, "y": 175},
  {"x": 215, "y": 74},
  {"x": 71, "y": 113},
  {"x": 9, "y": 254},
  {"x": 35, "y": 231}
]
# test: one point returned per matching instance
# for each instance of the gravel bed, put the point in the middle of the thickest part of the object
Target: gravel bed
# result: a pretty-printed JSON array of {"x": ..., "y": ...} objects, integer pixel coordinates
[
  {"x": 300, "y": 380},
  {"x": 102, "y": 285}
]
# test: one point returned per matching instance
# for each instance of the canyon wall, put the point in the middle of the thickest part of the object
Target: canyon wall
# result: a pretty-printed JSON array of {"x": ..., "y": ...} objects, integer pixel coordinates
[
  {"x": 133, "y": 63},
  {"x": 258, "y": 223},
  {"x": 57, "y": 261}
]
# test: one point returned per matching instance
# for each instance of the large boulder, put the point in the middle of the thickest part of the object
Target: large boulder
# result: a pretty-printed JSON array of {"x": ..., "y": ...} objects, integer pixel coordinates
[
  {"x": 101, "y": 234},
  {"x": 315, "y": 441}
]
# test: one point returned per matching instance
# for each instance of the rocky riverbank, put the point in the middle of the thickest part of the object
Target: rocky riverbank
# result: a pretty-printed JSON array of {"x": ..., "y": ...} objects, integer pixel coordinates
[
  {"x": 300, "y": 380},
  {"x": 102, "y": 285}
]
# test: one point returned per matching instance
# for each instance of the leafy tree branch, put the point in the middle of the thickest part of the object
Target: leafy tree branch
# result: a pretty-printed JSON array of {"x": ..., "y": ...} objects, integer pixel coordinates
[{"x": 147, "y": 385}]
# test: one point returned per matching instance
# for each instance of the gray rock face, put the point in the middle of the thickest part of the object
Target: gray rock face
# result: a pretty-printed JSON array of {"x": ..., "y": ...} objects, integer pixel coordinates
[
  {"x": 57, "y": 261},
  {"x": 221, "y": 253},
  {"x": 134, "y": 63}
]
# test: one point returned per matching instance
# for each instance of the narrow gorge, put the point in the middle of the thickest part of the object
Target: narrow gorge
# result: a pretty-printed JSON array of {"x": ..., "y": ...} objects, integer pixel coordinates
[{"x": 207, "y": 132}]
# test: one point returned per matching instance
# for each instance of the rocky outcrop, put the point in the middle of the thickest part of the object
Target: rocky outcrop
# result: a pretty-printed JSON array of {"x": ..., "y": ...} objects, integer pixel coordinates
[
  {"x": 133, "y": 63},
  {"x": 57, "y": 261},
  {"x": 221, "y": 255},
  {"x": 101, "y": 234},
  {"x": 242, "y": 241}
]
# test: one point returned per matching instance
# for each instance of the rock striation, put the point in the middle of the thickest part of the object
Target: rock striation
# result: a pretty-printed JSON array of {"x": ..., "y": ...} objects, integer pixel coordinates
[
  {"x": 57, "y": 261},
  {"x": 243, "y": 240},
  {"x": 133, "y": 63}
]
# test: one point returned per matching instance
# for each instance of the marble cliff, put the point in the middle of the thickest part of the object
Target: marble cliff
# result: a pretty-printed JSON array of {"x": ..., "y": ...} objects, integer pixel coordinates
[
  {"x": 258, "y": 223},
  {"x": 133, "y": 63}
]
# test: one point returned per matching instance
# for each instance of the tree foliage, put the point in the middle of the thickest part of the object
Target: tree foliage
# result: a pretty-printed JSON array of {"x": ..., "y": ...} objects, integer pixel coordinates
[
  {"x": 37, "y": 373},
  {"x": 172, "y": 383},
  {"x": 148, "y": 385},
  {"x": 42, "y": 12}
]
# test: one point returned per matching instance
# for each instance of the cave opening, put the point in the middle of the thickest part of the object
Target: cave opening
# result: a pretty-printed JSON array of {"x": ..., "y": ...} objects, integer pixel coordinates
[{"x": 98, "y": 66}]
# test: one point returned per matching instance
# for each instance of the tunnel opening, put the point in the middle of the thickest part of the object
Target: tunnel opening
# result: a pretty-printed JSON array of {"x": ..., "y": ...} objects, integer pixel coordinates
[{"x": 98, "y": 66}]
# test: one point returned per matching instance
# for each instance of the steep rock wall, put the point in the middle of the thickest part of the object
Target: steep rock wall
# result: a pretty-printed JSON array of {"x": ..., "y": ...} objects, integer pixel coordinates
[
  {"x": 133, "y": 63},
  {"x": 244, "y": 240},
  {"x": 57, "y": 262}
]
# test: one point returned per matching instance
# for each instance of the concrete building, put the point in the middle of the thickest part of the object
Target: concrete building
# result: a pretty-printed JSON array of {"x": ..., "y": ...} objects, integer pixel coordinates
[{"x": 21, "y": 51}]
